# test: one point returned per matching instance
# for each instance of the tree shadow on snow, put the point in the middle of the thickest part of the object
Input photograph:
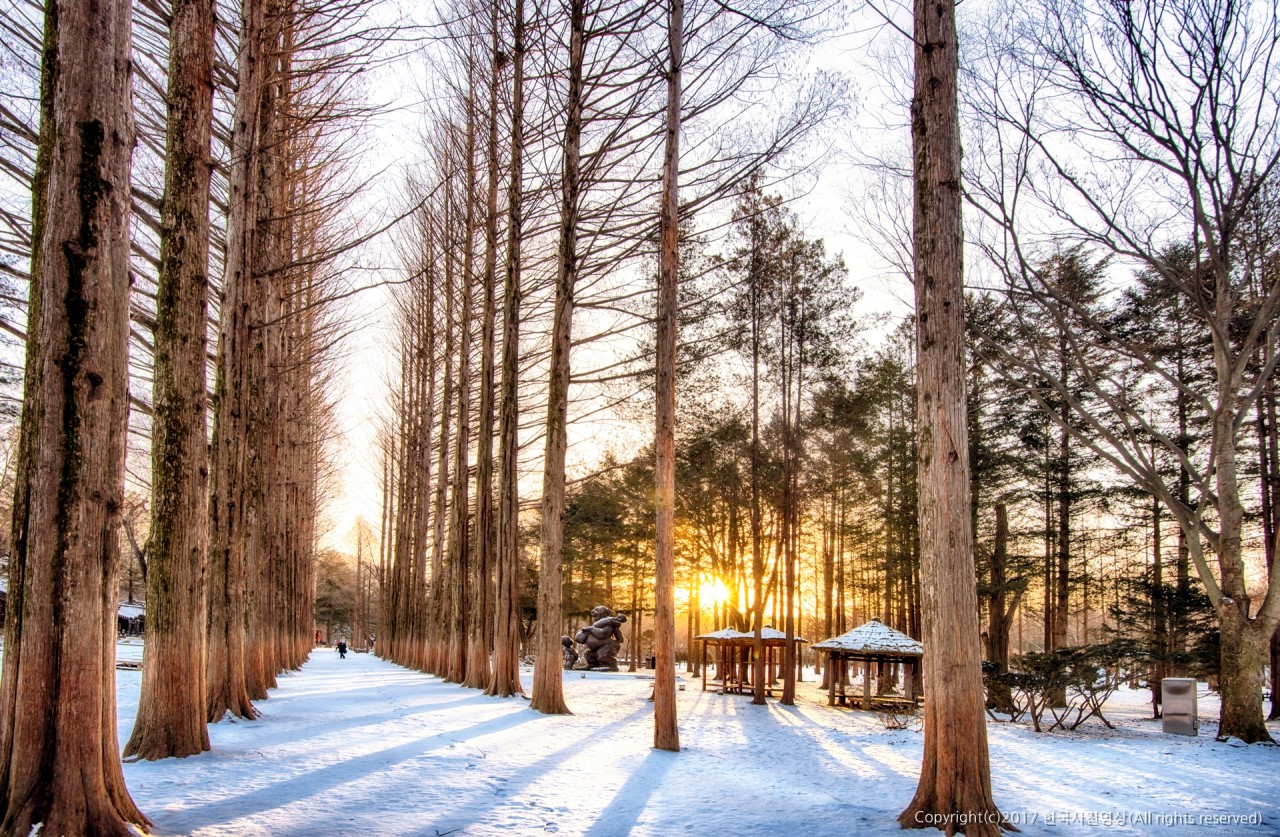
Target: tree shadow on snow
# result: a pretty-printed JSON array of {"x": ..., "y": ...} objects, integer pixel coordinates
[
  {"x": 633, "y": 797},
  {"x": 325, "y": 779},
  {"x": 540, "y": 770}
]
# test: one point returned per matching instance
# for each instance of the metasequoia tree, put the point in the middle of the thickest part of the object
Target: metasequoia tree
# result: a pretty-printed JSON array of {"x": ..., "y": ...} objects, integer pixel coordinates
[
  {"x": 548, "y": 686},
  {"x": 479, "y": 674},
  {"x": 954, "y": 792},
  {"x": 290, "y": 185},
  {"x": 438, "y": 617},
  {"x": 18, "y": 135},
  {"x": 505, "y": 680},
  {"x": 666, "y": 735},
  {"x": 459, "y": 530},
  {"x": 59, "y": 754},
  {"x": 409, "y": 459},
  {"x": 611, "y": 159},
  {"x": 171, "y": 707},
  {"x": 236, "y": 392},
  {"x": 1182, "y": 98}
]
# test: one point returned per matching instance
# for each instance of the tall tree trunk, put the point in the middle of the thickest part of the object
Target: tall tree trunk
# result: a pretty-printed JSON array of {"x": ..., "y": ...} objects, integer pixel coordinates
[
  {"x": 478, "y": 673},
  {"x": 59, "y": 754},
  {"x": 432, "y": 614},
  {"x": 1159, "y": 618},
  {"x": 506, "y": 639},
  {"x": 666, "y": 735},
  {"x": 459, "y": 534},
  {"x": 1048, "y": 552},
  {"x": 232, "y": 465},
  {"x": 1269, "y": 485},
  {"x": 548, "y": 682},
  {"x": 955, "y": 778},
  {"x": 1272, "y": 471},
  {"x": 415, "y": 597},
  {"x": 757, "y": 553},
  {"x": 171, "y": 708},
  {"x": 1243, "y": 637},
  {"x": 1062, "y": 584},
  {"x": 1182, "y": 568},
  {"x": 267, "y": 258},
  {"x": 1000, "y": 611}
]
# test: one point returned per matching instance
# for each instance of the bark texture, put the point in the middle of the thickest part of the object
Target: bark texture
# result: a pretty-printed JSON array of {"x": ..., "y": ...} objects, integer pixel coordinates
[
  {"x": 548, "y": 685},
  {"x": 666, "y": 734},
  {"x": 954, "y": 793},
  {"x": 232, "y": 464},
  {"x": 506, "y": 639},
  {"x": 59, "y": 754},
  {"x": 171, "y": 708}
]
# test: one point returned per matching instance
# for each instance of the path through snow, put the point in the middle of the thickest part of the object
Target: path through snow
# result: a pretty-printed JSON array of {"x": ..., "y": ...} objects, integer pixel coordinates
[{"x": 363, "y": 747}]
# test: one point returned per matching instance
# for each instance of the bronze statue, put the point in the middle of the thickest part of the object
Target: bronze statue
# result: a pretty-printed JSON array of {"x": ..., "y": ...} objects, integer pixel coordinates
[
  {"x": 603, "y": 638},
  {"x": 570, "y": 655}
]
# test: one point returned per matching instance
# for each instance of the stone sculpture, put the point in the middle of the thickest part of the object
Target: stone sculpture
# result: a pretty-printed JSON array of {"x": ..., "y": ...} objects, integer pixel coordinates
[{"x": 603, "y": 638}]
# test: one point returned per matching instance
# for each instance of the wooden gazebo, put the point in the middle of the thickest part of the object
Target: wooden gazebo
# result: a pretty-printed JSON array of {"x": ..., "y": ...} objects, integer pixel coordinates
[
  {"x": 872, "y": 643},
  {"x": 733, "y": 657}
]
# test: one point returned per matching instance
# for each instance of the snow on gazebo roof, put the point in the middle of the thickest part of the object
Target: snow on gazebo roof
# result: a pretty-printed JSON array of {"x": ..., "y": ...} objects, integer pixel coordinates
[
  {"x": 131, "y": 610},
  {"x": 873, "y": 638},
  {"x": 723, "y": 633},
  {"x": 773, "y": 633},
  {"x": 765, "y": 633}
]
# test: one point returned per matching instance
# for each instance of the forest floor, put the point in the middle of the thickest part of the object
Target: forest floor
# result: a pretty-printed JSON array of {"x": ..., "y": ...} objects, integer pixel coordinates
[{"x": 363, "y": 747}]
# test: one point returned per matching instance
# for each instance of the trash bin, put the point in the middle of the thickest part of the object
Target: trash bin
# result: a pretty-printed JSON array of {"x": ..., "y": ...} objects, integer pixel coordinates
[
  {"x": 1178, "y": 706},
  {"x": 651, "y": 662}
]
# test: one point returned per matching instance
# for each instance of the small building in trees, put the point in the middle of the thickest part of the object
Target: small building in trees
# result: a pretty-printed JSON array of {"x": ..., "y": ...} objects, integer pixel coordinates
[
  {"x": 883, "y": 653},
  {"x": 131, "y": 618},
  {"x": 733, "y": 649}
]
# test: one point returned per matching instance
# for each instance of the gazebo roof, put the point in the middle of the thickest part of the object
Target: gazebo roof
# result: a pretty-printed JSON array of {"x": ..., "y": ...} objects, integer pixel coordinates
[
  {"x": 729, "y": 634},
  {"x": 873, "y": 638},
  {"x": 723, "y": 633}
]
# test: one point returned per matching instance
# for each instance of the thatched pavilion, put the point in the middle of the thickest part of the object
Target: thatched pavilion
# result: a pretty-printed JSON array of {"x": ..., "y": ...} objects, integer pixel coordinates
[
  {"x": 872, "y": 643},
  {"x": 733, "y": 657}
]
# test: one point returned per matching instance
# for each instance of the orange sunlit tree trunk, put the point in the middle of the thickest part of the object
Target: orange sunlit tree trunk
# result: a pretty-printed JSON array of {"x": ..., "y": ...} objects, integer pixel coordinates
[
  {"x": 954, "y": 793},
  {"x": 666, "y": 734}
]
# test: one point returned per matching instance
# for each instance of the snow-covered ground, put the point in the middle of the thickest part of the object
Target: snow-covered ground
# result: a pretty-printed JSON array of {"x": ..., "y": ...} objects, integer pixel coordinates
[{"x": 362, "y": 747}]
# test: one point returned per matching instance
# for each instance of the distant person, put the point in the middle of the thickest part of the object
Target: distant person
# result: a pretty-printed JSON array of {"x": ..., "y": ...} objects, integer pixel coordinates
[{"x": 342, "y": 649}]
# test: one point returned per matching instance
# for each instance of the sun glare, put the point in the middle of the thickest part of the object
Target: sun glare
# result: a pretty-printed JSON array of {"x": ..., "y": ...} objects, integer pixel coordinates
[{"x": 713, "y": 592}]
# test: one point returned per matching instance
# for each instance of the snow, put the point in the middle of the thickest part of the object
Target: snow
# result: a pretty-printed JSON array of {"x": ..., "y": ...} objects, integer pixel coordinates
[
  {"x": 874, "y": 637},
  {"x": 765, "y": 633},
  {"x": 361, "y": 746},
  {"x": 131, "y": 610},
  {"x": 724, "y": 633},
  {"x": 129, "y": 651}
]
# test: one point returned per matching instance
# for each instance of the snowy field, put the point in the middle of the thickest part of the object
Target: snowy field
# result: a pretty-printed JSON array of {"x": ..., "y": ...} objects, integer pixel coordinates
[{"x": 362, "y": 747}]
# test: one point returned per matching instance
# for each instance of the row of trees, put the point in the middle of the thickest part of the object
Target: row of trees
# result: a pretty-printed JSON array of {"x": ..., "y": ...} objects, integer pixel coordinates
[
  {"x": 227, "y": 220},
  {"x": 1053, "y": 337},
  {"x": 525, "y": 91}
]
